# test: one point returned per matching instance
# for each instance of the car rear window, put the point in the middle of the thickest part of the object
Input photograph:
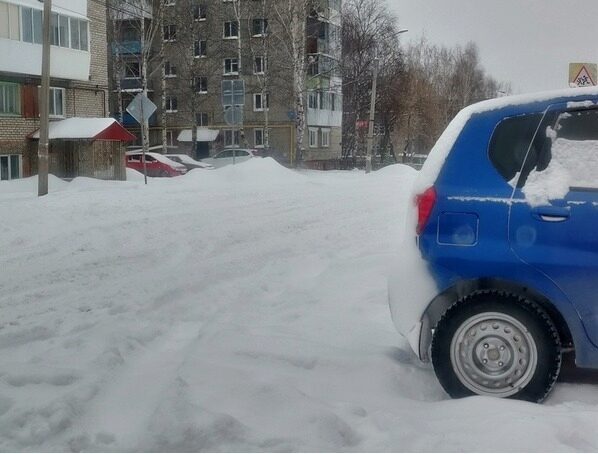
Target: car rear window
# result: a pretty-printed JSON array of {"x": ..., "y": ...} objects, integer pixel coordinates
[{"x": 510, "y": 143}]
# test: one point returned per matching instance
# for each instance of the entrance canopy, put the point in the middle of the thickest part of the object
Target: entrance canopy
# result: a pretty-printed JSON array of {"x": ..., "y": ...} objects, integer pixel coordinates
[
  {"x": 203, "y": 135},
  {"x": 87, "y": 129}
]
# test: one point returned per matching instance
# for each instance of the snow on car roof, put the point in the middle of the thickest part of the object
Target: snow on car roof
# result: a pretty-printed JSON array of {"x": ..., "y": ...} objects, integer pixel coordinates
[
  {"x": 433, "y": 165},
  {"x": 158, "y": 157},
  {"x": 188, "y": 160}
]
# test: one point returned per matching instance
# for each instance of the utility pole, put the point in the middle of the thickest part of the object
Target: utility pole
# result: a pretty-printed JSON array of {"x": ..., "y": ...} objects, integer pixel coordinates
[
  {"x": 144, "y": 120},
  {"x": 44, "y": 127},
  {"x": 368, "y": 159}
]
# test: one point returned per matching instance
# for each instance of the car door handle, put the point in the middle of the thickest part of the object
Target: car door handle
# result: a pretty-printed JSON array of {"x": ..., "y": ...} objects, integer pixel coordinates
[{"x": 552, "y": 214}]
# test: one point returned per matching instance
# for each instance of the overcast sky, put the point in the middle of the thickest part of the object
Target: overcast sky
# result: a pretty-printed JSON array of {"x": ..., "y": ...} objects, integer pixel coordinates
[{"x": 529, "y": 43}]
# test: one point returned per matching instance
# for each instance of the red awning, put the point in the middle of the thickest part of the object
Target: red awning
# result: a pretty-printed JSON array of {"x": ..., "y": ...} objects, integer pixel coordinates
[{"x": 87, "y": 129}]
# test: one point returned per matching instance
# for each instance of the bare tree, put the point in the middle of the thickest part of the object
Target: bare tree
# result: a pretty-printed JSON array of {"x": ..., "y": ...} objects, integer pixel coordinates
[
  {"x": 369, "y": 32},
  {"x": 290, "y": 17}
]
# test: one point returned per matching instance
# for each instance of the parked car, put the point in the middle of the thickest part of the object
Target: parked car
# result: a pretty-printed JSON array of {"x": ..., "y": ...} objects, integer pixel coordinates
[
  {"x": 230, "y": 156},
  {"x": 189, "y": 162},
  {"x": 157, "y": 164},
  {"x": 506, "y": 222}
]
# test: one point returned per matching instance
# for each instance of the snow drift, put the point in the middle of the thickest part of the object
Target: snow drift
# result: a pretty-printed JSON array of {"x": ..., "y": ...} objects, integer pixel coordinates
[{"x": 237, "y": 309}]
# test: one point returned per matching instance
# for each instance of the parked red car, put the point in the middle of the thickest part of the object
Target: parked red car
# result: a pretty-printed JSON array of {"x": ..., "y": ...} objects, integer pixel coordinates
[{"x": 157, "y": 165}]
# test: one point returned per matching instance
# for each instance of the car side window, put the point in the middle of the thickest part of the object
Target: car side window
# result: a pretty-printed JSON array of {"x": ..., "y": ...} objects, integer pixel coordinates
[
  {"x": 510, "y": 144},
  {"x": 569, "y": 151},
  {"x": 241, "y": 153},
  {"x": 223, "y": 154},
  {"x": 149, "y": 159}
]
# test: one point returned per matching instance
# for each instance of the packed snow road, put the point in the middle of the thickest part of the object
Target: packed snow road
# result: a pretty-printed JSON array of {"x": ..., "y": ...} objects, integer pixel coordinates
[{"x": 238, "y": 309}]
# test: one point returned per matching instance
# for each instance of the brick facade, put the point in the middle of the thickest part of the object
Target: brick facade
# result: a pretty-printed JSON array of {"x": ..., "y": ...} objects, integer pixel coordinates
[{"x": 81, "y": 99}]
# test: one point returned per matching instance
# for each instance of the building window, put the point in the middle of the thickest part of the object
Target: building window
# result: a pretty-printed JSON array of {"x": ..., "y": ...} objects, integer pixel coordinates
[
  {"x": 201, "y": 84},
  {"x": 56, "y": 102},
  {"x": 325, "y": 138},
  {"x": 9, "y": 21},
  {"x": 231, "y": 66},
  {"x": 231, "y": 138},
  {"x": 10, "y": 99},
  {"x": 10, "y": 167},
  {"x": 132, "y": 70},
  {"x": 259, "y": 65},
  {"x": 31, "y": 24},
  {"x": 258, "y": 137},
  {"x": 312, "y": 100},
  {"x": 259, "y": 27},
  {"x": 169, "y": 69},
  {"x": 169, "y": 33},
  {"x": 231, "y": 29},
  {"x": 59, "y": 25},
  {"x": 24, "y": 23},
  {"x": 79, "y": 34},
  {"x": 313, "y": 137},
  {"x": 261, "y": 102},
  {"x": 170, "y": 138},
  {"x": 171, "y": 104},
  {"x": 333, "y": 101},
  {"x": 202, "y": 119},
  {"x": 200, "y": 48},
  {"x": 199, "y": 12}
]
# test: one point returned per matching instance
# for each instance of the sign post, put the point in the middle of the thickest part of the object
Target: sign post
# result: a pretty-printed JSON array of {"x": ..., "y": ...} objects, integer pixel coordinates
[{"x": 141, "y": 109}]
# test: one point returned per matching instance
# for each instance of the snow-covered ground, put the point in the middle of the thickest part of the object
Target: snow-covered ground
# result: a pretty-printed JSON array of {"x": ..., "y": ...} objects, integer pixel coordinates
[{"x": 238, "y": 309}]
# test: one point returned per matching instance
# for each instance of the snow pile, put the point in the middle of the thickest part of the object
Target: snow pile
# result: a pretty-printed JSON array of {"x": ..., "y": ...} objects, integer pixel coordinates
[
  {"x": 574, "y": 163},
  {"x": 242, "y": 309}
]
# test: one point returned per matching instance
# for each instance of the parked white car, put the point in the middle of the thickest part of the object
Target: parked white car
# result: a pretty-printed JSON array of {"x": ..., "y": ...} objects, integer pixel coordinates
[{"x": 230, "y": 156}]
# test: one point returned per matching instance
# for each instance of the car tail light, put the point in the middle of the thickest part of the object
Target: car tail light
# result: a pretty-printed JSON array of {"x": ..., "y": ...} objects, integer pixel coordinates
[{"x": 425, "y": 204}]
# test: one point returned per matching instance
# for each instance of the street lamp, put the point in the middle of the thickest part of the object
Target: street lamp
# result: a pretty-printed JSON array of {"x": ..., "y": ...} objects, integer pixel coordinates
[{"x": 368, "y": 159}]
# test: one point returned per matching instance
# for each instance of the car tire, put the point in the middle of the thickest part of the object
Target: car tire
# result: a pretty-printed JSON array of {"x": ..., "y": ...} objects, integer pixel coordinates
[
  {"x": 163, "y": 174},
  {"x": 497, "y": 344}
]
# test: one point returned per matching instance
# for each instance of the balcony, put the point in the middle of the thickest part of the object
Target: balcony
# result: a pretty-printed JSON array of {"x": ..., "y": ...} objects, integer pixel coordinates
[
  {"x": 127, "y": 48},
  {"x": 131, "y": 84},
  {"x": 130, "y": 122},
  {"x": 322, "y": 65}
]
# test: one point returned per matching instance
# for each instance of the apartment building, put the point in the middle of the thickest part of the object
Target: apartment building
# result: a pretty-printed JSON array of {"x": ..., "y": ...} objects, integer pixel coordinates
[
  {"x": 202, "y": 43},
  {"x": 82, "y": 140}
]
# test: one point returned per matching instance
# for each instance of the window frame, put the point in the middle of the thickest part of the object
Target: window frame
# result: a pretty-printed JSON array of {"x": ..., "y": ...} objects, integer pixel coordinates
[
  {"x": 263, "y": 65},
  {"x": 9, "y": 157},
  {"x": 235, "y": 135},
  {"x": 197, "y": 46},
  {"x": 52, "y": 102},
  {"x": 314, "y": 131},
  {"x": 262, "y": 143},
  {"x": 17, "y": 99},
  {"x": 325, "y": 132},
  {"x": 169, "y": 33},
  {"x": 228, "y": 27},
  {"x": 170, "y": 100},
  {"x": 231, "y": 60},
  {"x": 263, "y": 97}
]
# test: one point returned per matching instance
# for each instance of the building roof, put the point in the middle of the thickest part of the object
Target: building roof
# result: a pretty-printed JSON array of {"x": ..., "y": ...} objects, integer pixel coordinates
[
  {"x": 203, "y": 135},
  {"x": 87, "y": 129}
]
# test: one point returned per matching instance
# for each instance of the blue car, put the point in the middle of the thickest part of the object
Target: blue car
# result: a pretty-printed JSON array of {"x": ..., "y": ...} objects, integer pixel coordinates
[{"x": 506, "y": 221}]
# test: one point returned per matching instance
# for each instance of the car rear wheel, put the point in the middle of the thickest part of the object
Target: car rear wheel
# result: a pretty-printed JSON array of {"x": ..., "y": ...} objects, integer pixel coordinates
[{"x": 496, "y": 344}]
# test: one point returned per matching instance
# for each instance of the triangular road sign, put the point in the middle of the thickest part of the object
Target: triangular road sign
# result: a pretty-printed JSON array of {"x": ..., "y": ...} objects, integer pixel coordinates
[{"x": 584, "y": 78}]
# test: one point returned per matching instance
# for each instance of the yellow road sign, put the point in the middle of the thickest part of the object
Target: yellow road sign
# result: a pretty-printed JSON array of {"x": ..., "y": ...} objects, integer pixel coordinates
[{"x": 583, "y": 74}]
